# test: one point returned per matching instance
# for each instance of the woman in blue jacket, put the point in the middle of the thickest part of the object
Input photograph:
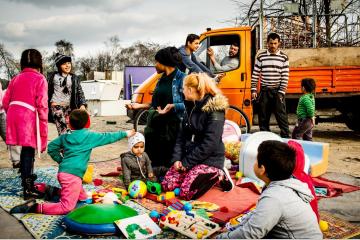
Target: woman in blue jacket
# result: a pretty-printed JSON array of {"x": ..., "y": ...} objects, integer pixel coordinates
[{"x": 165, "y": 110}]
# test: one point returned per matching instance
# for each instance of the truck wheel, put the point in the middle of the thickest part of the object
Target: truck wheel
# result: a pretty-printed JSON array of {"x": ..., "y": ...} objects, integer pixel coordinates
[
  {"x": 239, "y": 117},
  {"x": 140, "y": 120},
  {"x": 352, "y": 120}
]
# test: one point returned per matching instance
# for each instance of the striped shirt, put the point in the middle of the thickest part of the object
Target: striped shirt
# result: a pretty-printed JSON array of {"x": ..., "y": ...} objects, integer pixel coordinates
[{"x": 272, "y": 69}]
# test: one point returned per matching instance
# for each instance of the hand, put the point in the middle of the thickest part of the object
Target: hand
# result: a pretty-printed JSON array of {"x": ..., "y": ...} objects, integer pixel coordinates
[
  {"x": 166, "y": 109},
  {"x": 179, "y": 167},
  {"x": 82, "y": 107},
  {"x": 210, "y": 52},
  {"x": 281, "y": 96},
  {"x": 254, "y": 96},
  {"x": 130, "y": 133},
  {"x": 151, "y": 175},
  {"x": 133, "y": 106}
]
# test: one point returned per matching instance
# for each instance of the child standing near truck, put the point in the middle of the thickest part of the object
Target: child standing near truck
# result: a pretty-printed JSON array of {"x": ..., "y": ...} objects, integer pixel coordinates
[{"x": 305, "y": 111}]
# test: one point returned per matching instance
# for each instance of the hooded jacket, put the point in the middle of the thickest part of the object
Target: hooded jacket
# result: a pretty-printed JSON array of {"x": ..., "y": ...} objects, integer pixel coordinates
[
  {"x": 77, "y": 147},
  {"x": 131, "y": 165},
  {"x": 77, "y": 97},
  {"x": 283, "y": 211},
  {"x": 199, "y": 140}
]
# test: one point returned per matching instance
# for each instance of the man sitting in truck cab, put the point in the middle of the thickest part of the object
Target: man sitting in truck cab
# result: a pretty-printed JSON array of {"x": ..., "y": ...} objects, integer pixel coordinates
[{"x": 228, "y": 62}]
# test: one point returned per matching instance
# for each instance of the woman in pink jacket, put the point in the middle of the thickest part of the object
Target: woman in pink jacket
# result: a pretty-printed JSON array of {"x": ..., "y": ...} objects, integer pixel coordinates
[{"x": 25, "y": 103}]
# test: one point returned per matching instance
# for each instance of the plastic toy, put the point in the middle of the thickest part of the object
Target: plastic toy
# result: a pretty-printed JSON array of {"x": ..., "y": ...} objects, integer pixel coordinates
[
  {"x": 165, "y": 196},
  {"x": 193, "y": 227},
  {"x": 96, "y": 218},
  {"x": 154, "y": 214},
  {"x": 317, "y": 153},
  {"x": 87, "y": 178},
  {"x": 177, "y": 191},
  {"x": 324, "y": 226},
  {"x": 173, "y": 205},
  {"x": 137, "y": 189},
  {"x": 238, "y": 175},
  {"x": 187, "y": 207},
  {"x": 153, "y": 187}
]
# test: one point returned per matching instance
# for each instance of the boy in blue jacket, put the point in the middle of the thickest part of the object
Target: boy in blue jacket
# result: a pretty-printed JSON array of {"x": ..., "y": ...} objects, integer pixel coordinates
[{"x": 76, "y": 147}]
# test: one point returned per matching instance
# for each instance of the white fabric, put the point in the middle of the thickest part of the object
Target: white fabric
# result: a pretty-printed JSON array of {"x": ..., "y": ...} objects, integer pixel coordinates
[{"x": 138, "y": 137}]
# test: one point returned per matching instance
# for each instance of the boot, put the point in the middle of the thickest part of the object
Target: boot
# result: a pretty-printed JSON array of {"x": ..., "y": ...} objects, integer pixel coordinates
[
  {"x": 27, "y": 207},
  {"x": 29, "y": 190}
]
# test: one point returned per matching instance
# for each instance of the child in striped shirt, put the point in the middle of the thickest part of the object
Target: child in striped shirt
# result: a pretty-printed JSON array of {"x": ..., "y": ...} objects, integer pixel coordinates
[{"x": 305, "y": 111}]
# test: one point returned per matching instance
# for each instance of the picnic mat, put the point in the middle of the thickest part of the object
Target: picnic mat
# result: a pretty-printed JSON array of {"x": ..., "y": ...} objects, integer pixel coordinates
[
  {"x": 338, "y": 228},
  {"x": 236, "y": 201},
  {"x": 333, "y": 188},
  {"x": 50, "y": 226}
]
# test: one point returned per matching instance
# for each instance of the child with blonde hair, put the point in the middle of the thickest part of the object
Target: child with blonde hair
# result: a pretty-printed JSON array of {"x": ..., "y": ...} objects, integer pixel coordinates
[{"x": 198, "y": 159}]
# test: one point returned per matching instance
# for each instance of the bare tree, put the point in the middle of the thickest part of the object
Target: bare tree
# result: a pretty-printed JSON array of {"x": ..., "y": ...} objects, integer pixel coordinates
[
  {"x": 65, "y": 47},
  {"x": 8, "y": 66},
  {"x": 314, "y": 20}
]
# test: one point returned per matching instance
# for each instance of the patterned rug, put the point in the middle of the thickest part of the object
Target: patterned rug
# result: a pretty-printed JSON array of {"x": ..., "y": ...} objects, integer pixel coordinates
[
  {"x": 338, "y": 228},
  {"x": 51, "y": 226}
]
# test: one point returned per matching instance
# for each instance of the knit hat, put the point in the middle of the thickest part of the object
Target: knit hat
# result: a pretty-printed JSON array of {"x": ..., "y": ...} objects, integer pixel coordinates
[
  {"x": 61, "y": 59},
  {"x": 138, "y": 137},
  {"x": 169, "y": 56}
]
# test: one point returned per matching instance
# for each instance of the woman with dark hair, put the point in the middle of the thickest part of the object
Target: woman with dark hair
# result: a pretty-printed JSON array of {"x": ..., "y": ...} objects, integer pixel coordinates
[
  {"x": 65, "y": 93},
  {"x": 25, "y": 103},
  {"x": 166, "y": 108}
]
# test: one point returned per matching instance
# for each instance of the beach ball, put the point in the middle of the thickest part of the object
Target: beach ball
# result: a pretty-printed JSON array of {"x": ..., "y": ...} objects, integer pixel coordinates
[{"x": 137, "y": 189}]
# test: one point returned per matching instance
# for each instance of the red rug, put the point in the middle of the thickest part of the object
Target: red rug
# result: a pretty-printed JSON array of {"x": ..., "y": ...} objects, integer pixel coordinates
[
  {"x": 334, "y": 188},
  {"x": 236, "y": 201}
]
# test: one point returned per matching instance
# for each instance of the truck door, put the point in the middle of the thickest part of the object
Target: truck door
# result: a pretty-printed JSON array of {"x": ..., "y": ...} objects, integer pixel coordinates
[{"x": 235, "y": 85}]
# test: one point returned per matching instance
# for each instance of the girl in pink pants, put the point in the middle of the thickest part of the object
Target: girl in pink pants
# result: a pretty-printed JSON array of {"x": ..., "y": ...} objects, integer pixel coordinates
[{"x": 76, "y": 147}]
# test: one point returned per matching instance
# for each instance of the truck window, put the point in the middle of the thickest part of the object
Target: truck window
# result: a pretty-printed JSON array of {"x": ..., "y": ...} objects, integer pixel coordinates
[{"x": 221, "y": 45}]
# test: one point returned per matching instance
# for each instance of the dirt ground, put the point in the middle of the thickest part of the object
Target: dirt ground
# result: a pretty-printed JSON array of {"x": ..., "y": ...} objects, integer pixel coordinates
[{"x": 344, "y": 156}]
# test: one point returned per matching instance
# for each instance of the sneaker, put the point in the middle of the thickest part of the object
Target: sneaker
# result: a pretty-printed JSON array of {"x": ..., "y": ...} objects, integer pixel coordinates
[{"x": 226, "y": 183}]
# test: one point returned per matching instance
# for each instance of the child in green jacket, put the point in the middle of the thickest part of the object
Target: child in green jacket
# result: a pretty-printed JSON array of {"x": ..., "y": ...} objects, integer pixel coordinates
[
  {"x": 305, "y": 111},
  {"x": 76, "y": 147}
]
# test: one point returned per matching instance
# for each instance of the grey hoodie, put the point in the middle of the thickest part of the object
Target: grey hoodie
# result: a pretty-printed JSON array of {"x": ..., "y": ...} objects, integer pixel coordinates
[
  {"x": 283, "y": 211},
  {"x": 131, "y": 164}
]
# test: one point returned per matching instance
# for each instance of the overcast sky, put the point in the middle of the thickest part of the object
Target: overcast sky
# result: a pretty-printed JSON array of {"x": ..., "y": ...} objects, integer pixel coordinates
[{"x": 88, "y": 23}]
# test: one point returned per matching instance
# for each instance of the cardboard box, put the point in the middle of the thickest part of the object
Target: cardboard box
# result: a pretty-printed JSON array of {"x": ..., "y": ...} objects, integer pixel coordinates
[
  {"x": 107, "y": 107},
  {"x": 101, "y": 89}
]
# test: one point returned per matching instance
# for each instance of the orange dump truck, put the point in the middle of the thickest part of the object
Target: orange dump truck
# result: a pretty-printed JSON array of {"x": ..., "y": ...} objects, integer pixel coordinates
[{"x": 335, "y": 70}]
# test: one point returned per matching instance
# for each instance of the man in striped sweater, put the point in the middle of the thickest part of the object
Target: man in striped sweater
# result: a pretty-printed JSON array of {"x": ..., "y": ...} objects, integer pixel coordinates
[{"x": 272, "y": 68}]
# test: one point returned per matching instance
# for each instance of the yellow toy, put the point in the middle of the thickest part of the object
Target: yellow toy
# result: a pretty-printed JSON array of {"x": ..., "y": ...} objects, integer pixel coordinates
[
  {"x": 87, "y": 178},
  {"x": 324, "y": 226}
]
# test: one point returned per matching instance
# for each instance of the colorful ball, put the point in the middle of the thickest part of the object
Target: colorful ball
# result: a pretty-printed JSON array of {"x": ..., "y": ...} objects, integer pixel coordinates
[{"x": 137, "y": 189}]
